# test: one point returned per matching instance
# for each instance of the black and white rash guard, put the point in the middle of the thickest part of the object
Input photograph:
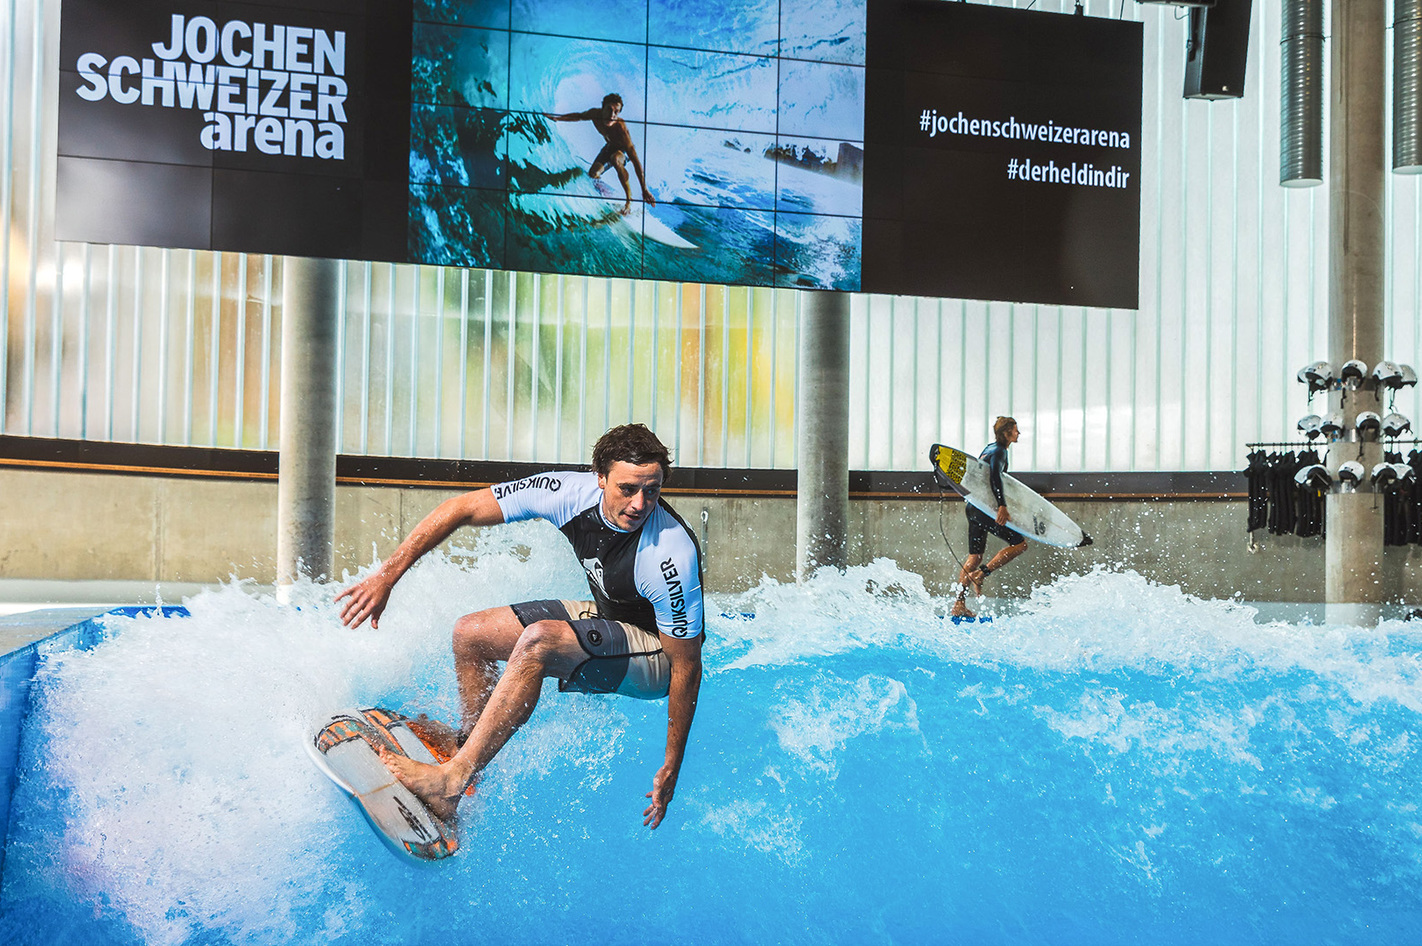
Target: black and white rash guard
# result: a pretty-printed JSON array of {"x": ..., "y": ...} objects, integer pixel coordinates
[{"x": 650, "y": 577}]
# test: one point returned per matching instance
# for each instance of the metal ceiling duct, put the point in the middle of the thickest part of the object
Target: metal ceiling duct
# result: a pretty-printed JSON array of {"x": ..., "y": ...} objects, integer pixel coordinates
[
  {"x": 1407, "y": 87},
  {"x": 1301, "y": 94}
]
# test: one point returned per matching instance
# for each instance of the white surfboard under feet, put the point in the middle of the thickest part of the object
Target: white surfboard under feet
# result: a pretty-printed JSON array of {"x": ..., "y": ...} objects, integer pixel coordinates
[
  {"x": 344, "y": 749},
  {"x": 644, "y": 221}
]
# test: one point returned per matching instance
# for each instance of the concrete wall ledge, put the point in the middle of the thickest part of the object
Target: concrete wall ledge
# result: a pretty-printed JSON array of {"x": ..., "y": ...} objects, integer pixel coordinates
[
  {"x": 28, "y": 594},
  {"x": 171, "y": 534}
]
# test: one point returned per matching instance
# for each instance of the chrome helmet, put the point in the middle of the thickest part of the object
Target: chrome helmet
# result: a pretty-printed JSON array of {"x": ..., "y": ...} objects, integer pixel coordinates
[
  {"x": 1318, "y": 376},
  {"x": 1384, "y": 476},
  {"x": 1395, "y": 425},
  {"x": 1388, "y": 375},
  {"x": 1352, "y": 373}
]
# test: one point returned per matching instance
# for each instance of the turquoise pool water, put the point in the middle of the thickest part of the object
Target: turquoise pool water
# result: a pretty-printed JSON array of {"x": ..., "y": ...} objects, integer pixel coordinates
[{"x": 1117, "y": 762}]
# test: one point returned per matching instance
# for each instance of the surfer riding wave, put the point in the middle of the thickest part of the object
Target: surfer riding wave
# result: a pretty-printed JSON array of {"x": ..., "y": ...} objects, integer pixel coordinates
[
  {"x": 640, "y": 634},
  {"x": 619, "y": 148}
]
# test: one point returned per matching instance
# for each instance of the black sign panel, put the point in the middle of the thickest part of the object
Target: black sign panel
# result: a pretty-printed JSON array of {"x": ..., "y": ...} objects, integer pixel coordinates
[
  {"x": 897, "y": 146},
  {"x": 235, "y": 126},
  {"x": 1003, "y": 154}
]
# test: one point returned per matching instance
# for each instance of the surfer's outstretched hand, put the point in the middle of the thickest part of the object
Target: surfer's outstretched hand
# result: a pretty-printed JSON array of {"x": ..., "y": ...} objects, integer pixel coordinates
[
  {"x": 366, "y": 599},
  {"x": 663, "y": 788}
]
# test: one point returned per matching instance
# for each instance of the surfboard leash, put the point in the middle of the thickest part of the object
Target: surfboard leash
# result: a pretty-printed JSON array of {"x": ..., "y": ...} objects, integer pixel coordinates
[{"x": 943, "y": 528}]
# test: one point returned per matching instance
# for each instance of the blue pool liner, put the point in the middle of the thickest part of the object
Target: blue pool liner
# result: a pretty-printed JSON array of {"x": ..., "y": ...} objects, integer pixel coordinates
[{"x": 17, "y": 671}]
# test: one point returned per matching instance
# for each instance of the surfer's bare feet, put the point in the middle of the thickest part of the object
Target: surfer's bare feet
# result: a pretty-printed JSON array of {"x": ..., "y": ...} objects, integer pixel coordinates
[
  {"x": 960, "y": 609},
  {"x": 442, "y": 739},
  {"x": 626, "y": 208},
  {"x": 430, "y": 783}
]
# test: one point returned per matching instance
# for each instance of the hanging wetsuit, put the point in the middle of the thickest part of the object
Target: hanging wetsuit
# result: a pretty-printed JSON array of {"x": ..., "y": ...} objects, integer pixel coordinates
[
  {"x": 1415, "y": 461},
  {"x": 1282, "y": 503},
  {"x": 1308, "y": 500},
  {"x": 1256, "y": 474},
  {"x": 1395, "y": 511}
]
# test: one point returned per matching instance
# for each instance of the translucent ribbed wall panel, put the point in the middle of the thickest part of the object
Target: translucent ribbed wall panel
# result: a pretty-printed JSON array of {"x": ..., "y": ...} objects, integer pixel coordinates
[
  {"x": 501, "y": 365},
  {"x": 183, "y": 347}
]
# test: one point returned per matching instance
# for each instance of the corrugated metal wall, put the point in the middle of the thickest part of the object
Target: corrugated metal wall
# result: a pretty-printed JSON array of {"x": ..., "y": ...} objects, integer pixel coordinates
[{"x": 177, "y": 346}]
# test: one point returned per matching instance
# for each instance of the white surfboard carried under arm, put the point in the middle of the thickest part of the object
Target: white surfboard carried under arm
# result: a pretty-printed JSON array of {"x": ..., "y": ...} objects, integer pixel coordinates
[{"x": 1028, "y": 513}]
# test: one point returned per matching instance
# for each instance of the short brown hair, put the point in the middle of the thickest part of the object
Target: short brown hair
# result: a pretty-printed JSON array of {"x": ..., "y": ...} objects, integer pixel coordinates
[
  {"x": 1001, "y": 426},
  {"x": 630, "y": 443}
]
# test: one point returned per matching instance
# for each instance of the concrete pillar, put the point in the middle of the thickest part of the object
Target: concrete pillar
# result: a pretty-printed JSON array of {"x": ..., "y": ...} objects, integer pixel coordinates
[
  {"x": 1355, "y": 586},
  {"x": 306, "y": 487},
  {"x": 822, "y": 441}
]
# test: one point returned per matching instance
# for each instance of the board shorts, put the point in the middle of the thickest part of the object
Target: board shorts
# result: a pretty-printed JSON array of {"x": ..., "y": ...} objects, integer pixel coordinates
[
  {"x": 610, "y": 155},
  {"x": 621, "y": 658},
  {"x": 980, "y": 524}
]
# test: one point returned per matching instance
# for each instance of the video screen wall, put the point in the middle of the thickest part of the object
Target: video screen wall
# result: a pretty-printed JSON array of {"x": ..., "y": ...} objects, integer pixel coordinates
[{"x": 898, "y": 146}]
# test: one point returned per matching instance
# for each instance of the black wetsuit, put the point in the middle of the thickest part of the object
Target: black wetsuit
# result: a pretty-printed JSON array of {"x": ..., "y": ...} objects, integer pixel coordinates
[{"x": 979, "y": 522}]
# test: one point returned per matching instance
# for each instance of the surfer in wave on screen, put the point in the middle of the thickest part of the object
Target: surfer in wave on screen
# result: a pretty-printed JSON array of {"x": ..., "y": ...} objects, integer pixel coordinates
[
  {"x": 619, "y": 148},
  {"x": 1005, "y": 434},
  {"x": 639, "y": 636}
]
